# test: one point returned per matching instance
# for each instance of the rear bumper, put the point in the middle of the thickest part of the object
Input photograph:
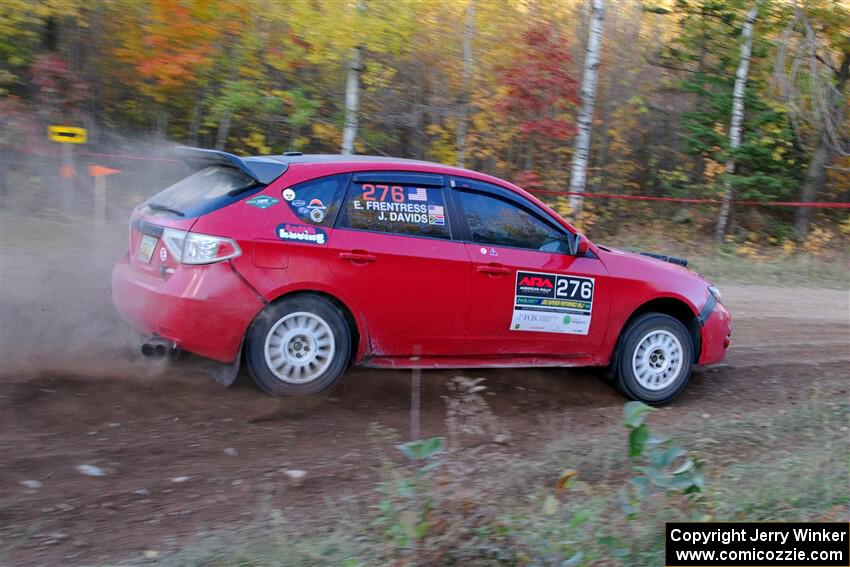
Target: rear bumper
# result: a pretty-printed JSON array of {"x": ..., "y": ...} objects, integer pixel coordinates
[
  {"x": 203, "y": 309},
  {"x": 716, "y": 335}
]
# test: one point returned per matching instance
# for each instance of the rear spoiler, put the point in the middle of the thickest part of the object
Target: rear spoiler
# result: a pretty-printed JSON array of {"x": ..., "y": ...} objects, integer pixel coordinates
[{"x": 261, "y": 169}]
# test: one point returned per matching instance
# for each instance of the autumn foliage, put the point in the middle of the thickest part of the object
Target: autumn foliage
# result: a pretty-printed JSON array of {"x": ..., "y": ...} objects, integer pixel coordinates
[{"x": 263, "y": 76}]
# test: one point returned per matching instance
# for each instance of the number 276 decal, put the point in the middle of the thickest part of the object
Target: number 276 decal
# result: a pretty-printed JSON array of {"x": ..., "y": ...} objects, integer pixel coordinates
[{"x": 574, "y": 288}]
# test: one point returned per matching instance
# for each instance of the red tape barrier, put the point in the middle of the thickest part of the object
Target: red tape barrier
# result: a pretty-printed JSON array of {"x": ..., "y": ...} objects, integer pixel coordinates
[
  {"x": 545, "y": 191},
  {"x": 689, "y": 200}
]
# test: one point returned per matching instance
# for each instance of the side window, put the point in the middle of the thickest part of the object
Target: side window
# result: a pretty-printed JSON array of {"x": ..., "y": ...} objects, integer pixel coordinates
[
  {"x": 496, "y": 221},
  {"x": 316, "y": 202},
  {"x": 396, "y": 208}
]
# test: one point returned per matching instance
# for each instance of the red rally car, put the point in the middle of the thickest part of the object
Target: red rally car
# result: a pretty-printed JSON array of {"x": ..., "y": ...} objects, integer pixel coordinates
[{"x": 308, "y": 264}]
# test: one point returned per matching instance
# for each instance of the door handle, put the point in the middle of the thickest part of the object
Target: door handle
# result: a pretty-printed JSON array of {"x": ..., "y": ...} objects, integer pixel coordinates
[
  {"x": 495, "y": 269},
  {"x": 357, "y": 256}
]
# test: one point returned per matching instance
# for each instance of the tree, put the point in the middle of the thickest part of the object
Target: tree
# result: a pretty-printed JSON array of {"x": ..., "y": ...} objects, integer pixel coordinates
[
  {"x": 737, "y": 119},
  {"x": 539, "y": 95},
  {"x": 581, "y": 155},
  {"x": 812, "y": 71},
  {"x": 463, "y": 119}
]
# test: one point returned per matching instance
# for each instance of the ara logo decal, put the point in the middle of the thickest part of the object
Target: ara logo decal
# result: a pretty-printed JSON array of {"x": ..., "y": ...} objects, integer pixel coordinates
[
  {"x": 301, "y": 233},
  {"x": 262, "y": 201},
  {"x": 536, "y": 281}
]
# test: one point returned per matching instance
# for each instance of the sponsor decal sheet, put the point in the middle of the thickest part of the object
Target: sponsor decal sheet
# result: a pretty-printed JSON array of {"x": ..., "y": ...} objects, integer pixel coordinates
[{"x": 552, "y": 303}]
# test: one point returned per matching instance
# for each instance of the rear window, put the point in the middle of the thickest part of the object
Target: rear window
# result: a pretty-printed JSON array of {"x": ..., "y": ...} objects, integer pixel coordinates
[
  {"x": 316, "y": 202},
  {"x": 206, "y": 190}
]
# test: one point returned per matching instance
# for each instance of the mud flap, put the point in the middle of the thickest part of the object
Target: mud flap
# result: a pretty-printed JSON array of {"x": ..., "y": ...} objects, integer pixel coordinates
[{"x": 225, "y": 374}]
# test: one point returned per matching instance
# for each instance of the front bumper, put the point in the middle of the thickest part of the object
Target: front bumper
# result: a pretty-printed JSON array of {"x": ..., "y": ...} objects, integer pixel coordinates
[
  {"x": 716, "y": 333},
  {"x": 203, "y": 309}
]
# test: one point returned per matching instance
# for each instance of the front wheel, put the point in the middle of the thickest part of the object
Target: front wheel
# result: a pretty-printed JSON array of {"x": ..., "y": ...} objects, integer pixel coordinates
[
  {"x": 655, "y": 360},
  {"x": 298, "y": 346}
]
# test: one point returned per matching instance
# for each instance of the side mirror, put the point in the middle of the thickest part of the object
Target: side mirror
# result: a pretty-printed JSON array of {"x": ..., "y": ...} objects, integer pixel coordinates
[{"x": 583, "y": 245}]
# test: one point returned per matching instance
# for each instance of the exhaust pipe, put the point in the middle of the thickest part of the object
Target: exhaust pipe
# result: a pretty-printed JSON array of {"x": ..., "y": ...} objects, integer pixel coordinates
[{"x": 157, "y": 347}]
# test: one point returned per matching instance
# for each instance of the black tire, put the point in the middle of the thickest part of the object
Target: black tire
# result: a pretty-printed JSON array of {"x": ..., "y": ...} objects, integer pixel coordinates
[
  {"x": 328, "y": 371},
  {"x": 637, "y": 331}
]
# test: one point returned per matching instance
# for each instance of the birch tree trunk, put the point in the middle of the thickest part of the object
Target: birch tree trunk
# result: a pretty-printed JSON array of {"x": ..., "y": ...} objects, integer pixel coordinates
[
  {"x": 352, "y": 101},
  {"x": 581, "y": 155},
  {"x": 737, "y": 120},
  {"x": 469, "y": 33}
]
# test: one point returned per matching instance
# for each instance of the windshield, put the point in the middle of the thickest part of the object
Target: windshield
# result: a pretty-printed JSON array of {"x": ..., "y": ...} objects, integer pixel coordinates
[{"x": 206, "y": 190}]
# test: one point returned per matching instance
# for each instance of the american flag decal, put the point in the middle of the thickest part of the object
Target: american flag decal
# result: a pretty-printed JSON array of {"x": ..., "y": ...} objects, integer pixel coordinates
[{"x": 418, "y": 194}]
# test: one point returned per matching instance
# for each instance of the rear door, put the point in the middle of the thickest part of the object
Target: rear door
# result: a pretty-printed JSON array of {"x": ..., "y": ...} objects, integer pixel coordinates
[
  {"x": 530, "y": 294},
  {"x": 392, "y": 245}
]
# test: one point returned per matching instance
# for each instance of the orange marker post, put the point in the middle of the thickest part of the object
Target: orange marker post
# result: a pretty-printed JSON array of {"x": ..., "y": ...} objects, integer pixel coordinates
[{"x": 100, "y": 174}]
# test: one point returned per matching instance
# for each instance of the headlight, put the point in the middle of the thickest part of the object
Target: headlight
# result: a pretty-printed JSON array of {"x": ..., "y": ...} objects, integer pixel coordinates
[
  {"x": 716, "y": 293},
  {"x": 194, "y": 248}
]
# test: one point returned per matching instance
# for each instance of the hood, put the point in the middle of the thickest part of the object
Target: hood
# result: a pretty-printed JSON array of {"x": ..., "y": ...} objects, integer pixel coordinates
[{"x": 650, "y": 260}]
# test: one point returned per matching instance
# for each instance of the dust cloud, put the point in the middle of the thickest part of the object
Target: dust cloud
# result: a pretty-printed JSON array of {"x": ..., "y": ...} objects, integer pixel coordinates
[{"x": 56, "y": 256}]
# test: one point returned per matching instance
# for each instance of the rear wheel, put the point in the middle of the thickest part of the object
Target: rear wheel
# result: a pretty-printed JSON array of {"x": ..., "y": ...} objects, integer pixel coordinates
[
  {"x": 655, "y": 360},
  {"x": 298, "y": 346}
]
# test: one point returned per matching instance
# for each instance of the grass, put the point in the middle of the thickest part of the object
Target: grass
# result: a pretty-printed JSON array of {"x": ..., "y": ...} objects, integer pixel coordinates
[
  {"x": 829, "y": 267},
  {"x": 796, "y": 270},
  {"x": 790, "y": 465}
]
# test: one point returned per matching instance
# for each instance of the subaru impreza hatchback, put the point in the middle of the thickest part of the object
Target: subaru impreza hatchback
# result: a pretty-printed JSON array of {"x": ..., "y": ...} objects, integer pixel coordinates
[{"x": 308, "y": 264}]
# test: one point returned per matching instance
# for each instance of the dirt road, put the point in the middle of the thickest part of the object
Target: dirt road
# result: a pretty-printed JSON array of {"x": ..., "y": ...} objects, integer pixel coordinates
[{"x": 180, "y": 455}]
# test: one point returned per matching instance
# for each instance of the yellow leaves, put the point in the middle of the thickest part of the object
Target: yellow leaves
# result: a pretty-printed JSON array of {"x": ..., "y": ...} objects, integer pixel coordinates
[
  {"x": 562, "y": 207},
  {"x": 748, "y": 249},
  {"x": 256, "y": 142},
  {"x": 441, "y": 149},
  {"x": 712, "y": 169},
  {"x": 327, "y": 135},
  {"x": 818, "y": 239},
  {"x": 844, "y": 226},
  {"x": 776, "y": 105}
]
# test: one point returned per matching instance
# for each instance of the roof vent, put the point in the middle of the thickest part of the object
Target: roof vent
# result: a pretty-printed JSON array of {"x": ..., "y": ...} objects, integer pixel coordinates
[{"x": 293, "y": 154}]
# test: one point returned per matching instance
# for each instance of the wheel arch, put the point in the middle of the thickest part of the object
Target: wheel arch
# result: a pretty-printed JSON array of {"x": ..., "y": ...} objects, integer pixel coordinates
[
  {"x": 674, "y": 307},
  {"x": 347, "y": 313}
]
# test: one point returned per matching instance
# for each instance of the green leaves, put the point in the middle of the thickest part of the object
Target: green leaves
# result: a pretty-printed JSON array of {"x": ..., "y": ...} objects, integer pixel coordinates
[
  {"x": 423, "y": 448},
  {"x": 667, "y": 467},
  {"x": 637, "y": 440},
  {"x": 634, "y": 413}
]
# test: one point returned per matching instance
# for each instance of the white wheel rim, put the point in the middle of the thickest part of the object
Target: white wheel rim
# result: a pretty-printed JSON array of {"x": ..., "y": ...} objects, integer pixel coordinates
[
  {"x": 299, "y": 348},
  {"x": 657, "y": 360}
]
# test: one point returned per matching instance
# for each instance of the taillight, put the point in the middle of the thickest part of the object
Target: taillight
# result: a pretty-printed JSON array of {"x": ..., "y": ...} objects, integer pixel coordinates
[{"x": 193, "y": 248}]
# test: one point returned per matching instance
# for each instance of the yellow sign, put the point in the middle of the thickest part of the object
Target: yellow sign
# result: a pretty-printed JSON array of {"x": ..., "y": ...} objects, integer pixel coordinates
[{"x": 67, "y": 134}]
